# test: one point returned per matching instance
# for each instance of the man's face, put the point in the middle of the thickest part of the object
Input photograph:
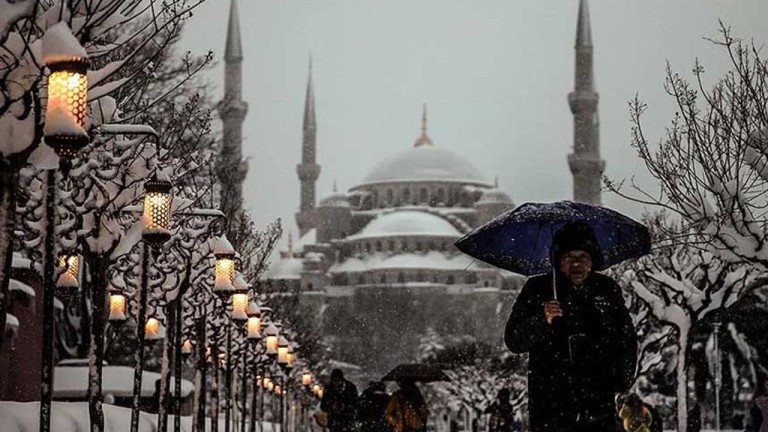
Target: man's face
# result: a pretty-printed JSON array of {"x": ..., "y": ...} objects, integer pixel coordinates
[
  {"x": 337, "y": 382},
  {"x": 576, "y": 265}
]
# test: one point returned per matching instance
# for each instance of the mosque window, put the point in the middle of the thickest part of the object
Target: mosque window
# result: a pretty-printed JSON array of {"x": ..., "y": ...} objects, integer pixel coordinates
[
  {"x": 418, "y": 246},
  {"x": 450, "y": 280},
  {"x": 390, "y": 196},
  {"x": 406, "y": 195},
  {"x": 404, "y": 247},
  {"x": 420, "y": 276},
  {"x": 431, "y": 246},
  {"x": 391, "y": 246},
  {"x": 440, "y": 198},
  {"x": 423, "y": 195},
  {"x": 378, "y": 245},
  {"x": 367, "y": 247},
  {"x": 470, "y": 278},
  {"x": 401, "y": 277},
  {"x": 383, "y": 278}
]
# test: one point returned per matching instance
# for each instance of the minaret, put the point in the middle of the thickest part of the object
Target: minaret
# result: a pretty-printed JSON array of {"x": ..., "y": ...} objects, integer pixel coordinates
[
  {"x": 308, "y": 170},
  {"x": 232, "y": 109},
  {"x": 585, "y": 163}
]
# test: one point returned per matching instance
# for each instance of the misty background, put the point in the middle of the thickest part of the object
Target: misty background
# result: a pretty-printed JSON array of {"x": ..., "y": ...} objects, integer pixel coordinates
[{"x": 495, "y": 75}]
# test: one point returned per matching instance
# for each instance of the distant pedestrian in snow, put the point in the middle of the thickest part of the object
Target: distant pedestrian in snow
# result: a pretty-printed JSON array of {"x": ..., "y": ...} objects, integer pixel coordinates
[
  {"x": 407, "y": 411},
  {"x": 583, "y": 346},
  {"x": 758, "y": 414},
  {"x": 502, "y": 414},
  {"x": 372, "y": 407},
  {"x": 340, "y": 403},
  {"x": 635, "y": 416}
]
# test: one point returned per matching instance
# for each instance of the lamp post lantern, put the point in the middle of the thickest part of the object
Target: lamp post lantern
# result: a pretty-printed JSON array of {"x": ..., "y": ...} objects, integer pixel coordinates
[
  {"x": 64, "y": 131},
  {"x": 117, "y": 305},
  {"x": 156, "y": 216}
]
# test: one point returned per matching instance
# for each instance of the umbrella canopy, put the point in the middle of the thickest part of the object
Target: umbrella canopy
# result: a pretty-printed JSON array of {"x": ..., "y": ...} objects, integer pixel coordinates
[
  {"x": 520, "y": 240},
  {"x": 416, "y": 372}
]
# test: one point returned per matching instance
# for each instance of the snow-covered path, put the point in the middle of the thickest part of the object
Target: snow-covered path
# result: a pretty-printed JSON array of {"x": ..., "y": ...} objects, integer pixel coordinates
[{"x": 73, "y": 417}]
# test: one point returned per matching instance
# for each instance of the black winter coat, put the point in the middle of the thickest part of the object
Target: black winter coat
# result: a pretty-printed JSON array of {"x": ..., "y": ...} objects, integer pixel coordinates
[
  {"x": 576, "y": 365},
  {"x": 340, "y": 404}
]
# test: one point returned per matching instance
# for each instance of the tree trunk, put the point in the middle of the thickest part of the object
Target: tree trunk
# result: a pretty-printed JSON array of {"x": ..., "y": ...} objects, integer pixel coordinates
[
  {"x": 138, "y": 356},
  {"x": 254, "y": 398},
  {"x": 228, "y": 382},
  {"x": 178, "y": 367},
  {"x": 682, "y": 379},
  {"x": 98, "y": 269},
  {"x": 8, "y": 183},
  {"x": 165, "y": 368}
]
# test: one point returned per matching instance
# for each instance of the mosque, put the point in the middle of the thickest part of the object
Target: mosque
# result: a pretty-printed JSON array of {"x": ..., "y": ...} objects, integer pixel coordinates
[{"x": 375, "y": 265}]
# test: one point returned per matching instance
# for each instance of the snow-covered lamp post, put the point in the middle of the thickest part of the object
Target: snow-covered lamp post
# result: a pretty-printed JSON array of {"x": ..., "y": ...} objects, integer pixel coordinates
[
  {"x": 240, "y": 300},
  {"x": 156, "y": 222},
  {"x": 271, "y": 340},
  {"x": 306, "y": 379},
  {"x": 186, "y": 348},
  {"x": 152, "y": 329},
  {"x": 224, "y": 278},
  {"x": 64, "y": 131}
]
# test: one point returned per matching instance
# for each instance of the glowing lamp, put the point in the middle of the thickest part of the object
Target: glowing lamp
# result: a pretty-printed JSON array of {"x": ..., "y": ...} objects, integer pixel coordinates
[
  {"x": 116, "y": 307},
  {"x": 156, "y": 218},
  {"x": 270, "y": 385},
  {"x": 254, "y": 328},
  {"x": 70, "y": 264},
  {"x": 278, "y": 390},
  {"x": 225, "y": 265},
  {"x": 282, "y": 351},
  {"x": 306, "y": 379},
  {"x": 271, "y": 339},
  {"x": 66, "y": 110},
  {"x": 320, "y": 392},
  {"x": 240, "y": 308},
  {"x": 186, "y": 347},
  {"x": 152, "y": 330},
  {"x": 222, "y": 360},
  {"x": 315, "y": 388}
]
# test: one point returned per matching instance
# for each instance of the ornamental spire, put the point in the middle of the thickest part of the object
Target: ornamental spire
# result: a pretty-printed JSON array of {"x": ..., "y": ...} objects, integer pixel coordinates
[{"x": 423, "y": 139}]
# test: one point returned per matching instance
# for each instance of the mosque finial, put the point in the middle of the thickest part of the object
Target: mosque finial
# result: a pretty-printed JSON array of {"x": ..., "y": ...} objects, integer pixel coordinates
[
  {"x": 424, "y": 138},
  {"x": 290, "y": 244},
  {"x": 496, "y": 182},
  {"x": 335, "y": 187}
]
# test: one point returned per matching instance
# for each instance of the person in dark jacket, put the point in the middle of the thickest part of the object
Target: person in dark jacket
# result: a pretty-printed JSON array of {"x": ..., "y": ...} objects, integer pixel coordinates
[
  {"x": 340, "y": 403},
  {"x": 371, "y": 408},
  {"x": 502, "y": 413},
  {"x": 582, "y": 347}
]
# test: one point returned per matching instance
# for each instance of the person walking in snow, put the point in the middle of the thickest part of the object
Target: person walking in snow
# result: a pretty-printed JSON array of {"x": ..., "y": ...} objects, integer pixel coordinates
[
  {"x": 502, "y": 414},
  {"x": 340, "y": 403},
  {"x": 758, "y": 414},
  {"x": 582, "y": 347},
  {"x": 634, "y": 415},
  {"x": 407, "y": 411},
  {"x": 372, "y": 407}
]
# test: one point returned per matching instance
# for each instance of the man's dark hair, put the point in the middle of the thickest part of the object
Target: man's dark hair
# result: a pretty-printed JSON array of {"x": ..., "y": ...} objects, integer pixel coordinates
[
  {"x": 573, "y": 236},
  {"x": 337, "y": 373}
]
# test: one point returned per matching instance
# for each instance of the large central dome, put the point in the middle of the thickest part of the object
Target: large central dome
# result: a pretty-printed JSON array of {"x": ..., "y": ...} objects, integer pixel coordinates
[{"x": 425, "y": 163}]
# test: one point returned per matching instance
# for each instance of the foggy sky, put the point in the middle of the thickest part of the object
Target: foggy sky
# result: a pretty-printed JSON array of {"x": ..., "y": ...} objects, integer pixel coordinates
[{"x": 494, "y": 73}]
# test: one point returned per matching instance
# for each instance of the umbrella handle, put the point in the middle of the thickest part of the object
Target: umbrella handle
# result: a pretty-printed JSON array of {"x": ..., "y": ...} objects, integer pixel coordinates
[{"x": 554, "y": 283}]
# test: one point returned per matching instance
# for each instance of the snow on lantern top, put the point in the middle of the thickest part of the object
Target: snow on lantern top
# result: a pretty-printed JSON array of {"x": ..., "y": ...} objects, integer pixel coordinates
[
  {"x": 66, "y": 111},
  {"x": 225, "y": 267},
  {"x": 240, "y": 285}
]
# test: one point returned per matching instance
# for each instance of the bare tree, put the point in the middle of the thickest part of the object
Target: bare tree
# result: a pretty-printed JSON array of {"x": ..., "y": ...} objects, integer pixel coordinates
[{"x": 712, "y": 162}]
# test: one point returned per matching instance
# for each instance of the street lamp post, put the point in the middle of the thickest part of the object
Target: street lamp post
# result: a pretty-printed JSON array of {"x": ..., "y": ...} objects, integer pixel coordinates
[
  {"x": 225, "y": 267},
  {"x": 65, "y": 132},
  {"x": 156, "y": 220},
  {"x": 718, "y": 373},
  {"x": 254, "y": 337}
]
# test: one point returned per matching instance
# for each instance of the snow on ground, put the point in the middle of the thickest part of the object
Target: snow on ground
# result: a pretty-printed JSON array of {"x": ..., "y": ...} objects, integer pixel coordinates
[
  {"x": 73, "y": 417},
  {"x": 70, "y": 380}
]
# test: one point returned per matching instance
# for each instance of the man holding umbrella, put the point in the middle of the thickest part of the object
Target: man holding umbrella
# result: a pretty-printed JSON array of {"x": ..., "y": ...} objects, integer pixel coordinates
[{"x": 579, "y": 334}]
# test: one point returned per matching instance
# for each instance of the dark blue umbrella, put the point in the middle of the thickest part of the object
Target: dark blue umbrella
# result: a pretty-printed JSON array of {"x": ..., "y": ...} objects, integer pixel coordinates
[{"x": 519, "y": 240}]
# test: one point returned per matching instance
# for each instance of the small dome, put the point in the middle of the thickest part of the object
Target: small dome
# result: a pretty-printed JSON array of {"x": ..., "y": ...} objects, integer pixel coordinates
[
  {"x": 425, "y": 163},
  {"x": 494, "y": 196},
  {"x": 407, "y": 223},
  {"x": 335, "y": 199},
  {"x": 286, "y": 268}
]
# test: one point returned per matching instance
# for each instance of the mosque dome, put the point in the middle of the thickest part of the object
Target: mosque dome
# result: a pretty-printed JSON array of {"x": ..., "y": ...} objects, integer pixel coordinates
[
  {"x": 407, "y": 223},
  {"x": 422, "y": 164},
  {"x": 285, "y": 268}
]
